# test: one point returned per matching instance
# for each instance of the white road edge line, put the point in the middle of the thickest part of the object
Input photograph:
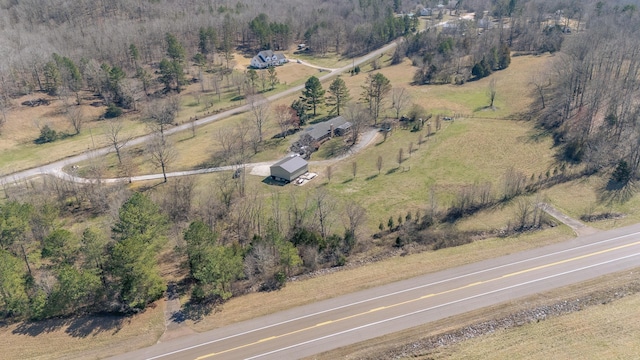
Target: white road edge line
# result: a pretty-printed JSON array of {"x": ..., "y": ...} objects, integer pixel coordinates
[
  {"x": 442, "y": 305},
  {"x": 390, "y": 294}
]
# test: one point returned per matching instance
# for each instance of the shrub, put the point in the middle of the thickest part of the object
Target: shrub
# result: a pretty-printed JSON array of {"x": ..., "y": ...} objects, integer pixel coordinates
[
  {"x": 112, "y": 111},
  {"x": 622, "y": 173},
  {"x": 47, "y": 135}
]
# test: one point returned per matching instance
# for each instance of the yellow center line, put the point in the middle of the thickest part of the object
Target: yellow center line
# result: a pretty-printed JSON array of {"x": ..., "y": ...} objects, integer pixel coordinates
[{"x": 420, "y": 298}]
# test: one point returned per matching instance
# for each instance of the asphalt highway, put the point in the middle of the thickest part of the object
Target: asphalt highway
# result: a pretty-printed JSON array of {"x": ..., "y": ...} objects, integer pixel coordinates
[{"x": 352, "y": 318}]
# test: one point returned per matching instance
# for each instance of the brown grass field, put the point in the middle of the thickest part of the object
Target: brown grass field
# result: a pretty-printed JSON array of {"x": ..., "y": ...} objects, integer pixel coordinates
[{"x": 81, "y": 338}]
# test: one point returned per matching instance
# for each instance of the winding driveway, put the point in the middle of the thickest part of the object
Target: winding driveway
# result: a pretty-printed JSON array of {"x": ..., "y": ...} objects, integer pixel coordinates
[
  {"x": 366, "y": 139},
  {"x": 56, "y": 168}
]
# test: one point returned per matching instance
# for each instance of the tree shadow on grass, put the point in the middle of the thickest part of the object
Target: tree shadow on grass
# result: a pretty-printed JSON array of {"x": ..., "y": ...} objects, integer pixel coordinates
[
  {"x": 179, "y": 317},
  {"x": 394, "y": 170},
  {"x": 347, "y": 181},
  {"x": 79, "y": 327},
  {"x": 617, "y": 192},
  {"x": 536, "y": 136},
  {"x": 371, "y": 177},
  {"x": 485, "y": 108},
  {"x": 197, "y": 311}
]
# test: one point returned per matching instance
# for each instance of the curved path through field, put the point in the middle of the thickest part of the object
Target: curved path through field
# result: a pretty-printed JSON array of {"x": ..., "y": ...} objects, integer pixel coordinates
[
  {"x": 321, "y": 68},
  {"x": 329, "y": 324},
  {"x": 366, "y": 139},
  {"x": 56, "y": 168}
]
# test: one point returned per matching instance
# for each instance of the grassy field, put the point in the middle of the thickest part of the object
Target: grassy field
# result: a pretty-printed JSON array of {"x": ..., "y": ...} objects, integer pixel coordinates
[
  {"x": 18, "y": 152},
  {"x": 465, "y": 151},
  {"x": 81, "y": 338},
  {"x": 599, "y": 332},
  {"x": 586, "y": 196},
  {"x": 475, "y": 148}
]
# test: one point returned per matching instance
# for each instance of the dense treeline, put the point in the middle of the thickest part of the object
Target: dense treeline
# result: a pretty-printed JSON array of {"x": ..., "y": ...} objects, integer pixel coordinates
[
  {"x": 127, "y": 34},
  {"x": 474, "y": 47},
  {"x": 230, "y": 242},
  {"x": 454, "y": 55},
  {"x": 587, "y": 98}
]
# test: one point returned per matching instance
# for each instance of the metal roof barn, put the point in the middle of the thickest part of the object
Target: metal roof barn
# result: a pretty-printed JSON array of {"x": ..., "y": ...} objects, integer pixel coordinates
[{"x": 289, "y": 168}]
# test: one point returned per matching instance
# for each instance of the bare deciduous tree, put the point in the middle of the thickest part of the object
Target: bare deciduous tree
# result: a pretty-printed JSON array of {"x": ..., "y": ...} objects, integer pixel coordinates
[
  {"x": 400, "y": 100},
  {"x": 238, "y": 82},
  {"x": 324, "y": 213},
  {"x": 491, "y": 92},
  {"x": 514, "y": 182},
  {"x": 355, "y": 216},
  {"x": 379, "y": 163},
  {"x": 193, "y": 126},
  {"x": 300, "y": 212},
  {"x": 358, "y": 116},
  {"x": 162, "y": 113},
  {"x": 226, "y": 143},
  {"x": 161, "y": 152},
  {"x": 541, "y": 83},
  {"x": 354, "y": 168},
  {"x": 75, "y": 117},
  {"x": 259, "y": 108},
  {"x": 216, "y": 83},
  {"x": 284, "y": 115},
  {"x": 113, "y": 133},
  {"x": 177, "y": 201},
  {"x": 5, "y": 105}
]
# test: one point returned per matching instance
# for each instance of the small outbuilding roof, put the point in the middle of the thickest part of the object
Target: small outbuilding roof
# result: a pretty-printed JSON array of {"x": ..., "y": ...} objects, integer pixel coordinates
[{"x": 291, "y": 163}]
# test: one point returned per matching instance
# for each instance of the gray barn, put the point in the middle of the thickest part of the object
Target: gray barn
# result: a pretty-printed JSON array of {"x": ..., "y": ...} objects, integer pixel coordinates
[{"x": 289, "y": 168}]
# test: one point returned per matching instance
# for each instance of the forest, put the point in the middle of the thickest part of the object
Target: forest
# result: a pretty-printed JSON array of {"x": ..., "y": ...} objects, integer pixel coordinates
[{"x": 233, "y": 242}]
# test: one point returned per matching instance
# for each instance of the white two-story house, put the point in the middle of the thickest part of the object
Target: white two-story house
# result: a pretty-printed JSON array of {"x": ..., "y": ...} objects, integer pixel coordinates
[{"x": 267, "y": 58}]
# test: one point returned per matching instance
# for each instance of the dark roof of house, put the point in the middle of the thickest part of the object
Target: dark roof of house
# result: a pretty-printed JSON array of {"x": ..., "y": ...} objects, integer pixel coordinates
[
  {"x": 291, "y": 163},
  {"x": 265, "y": 53},
  {"x": 262, "y": 55},
  {"x": 319, "y": 130}
]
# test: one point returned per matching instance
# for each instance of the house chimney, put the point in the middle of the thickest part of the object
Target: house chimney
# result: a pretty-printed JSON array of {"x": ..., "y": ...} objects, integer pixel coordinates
[{"x": 330, "y": 131}]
